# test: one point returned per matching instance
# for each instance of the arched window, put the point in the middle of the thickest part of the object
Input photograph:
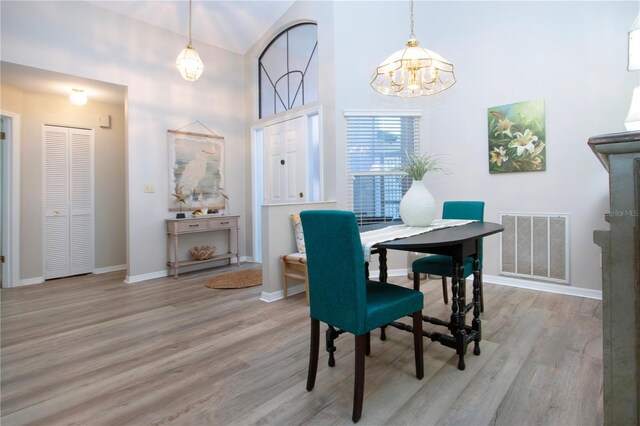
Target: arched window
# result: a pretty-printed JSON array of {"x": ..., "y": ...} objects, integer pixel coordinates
[{"x": 288, "y": 68}]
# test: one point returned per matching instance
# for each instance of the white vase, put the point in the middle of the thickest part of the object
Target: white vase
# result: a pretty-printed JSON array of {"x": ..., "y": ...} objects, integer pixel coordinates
[{"x": 417, "y": 207}]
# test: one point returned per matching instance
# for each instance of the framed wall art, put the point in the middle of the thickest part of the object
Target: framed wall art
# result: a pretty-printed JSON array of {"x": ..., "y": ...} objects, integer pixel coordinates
[
  {"x": 196, "y": 171},
  {"x": 517, "y": 139}
]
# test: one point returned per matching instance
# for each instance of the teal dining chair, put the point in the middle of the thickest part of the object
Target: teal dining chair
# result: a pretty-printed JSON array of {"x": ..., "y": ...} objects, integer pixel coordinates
[
  {"x": 442, "y": 265},
  {"x": 341, "y": 296}
]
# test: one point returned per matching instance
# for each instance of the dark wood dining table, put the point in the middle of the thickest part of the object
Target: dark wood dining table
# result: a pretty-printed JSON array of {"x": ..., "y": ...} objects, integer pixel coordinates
[{"x": 459, "y": 242}]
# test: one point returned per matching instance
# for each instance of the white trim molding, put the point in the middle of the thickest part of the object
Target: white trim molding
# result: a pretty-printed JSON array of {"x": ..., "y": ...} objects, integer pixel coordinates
[
  {"x": 30, "y": 281},
  {"x": 542, "y": 286},
  {"x": 131, "y": 279},
  {"x": 108, "y": 269},
  {"x": 11, "y": 204},
  {"x": 277, "y": 295}
]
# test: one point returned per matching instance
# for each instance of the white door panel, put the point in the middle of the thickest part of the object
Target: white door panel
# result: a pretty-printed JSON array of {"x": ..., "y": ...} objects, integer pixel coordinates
[
  {"x": 69, "y": 241},
  {"x": 285, "y": 150}
]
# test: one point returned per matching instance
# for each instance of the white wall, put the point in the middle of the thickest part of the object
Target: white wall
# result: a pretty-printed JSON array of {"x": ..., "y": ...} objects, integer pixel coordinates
[
  {"x": 320, "y": 12},
  {"x": 80, "y": 39},
  {"x": 36, "y": 109},
  {"x": 571, "y": 54}
]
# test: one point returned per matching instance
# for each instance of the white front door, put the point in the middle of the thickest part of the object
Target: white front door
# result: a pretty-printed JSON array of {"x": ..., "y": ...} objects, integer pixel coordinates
[{"x": 285, "y": 161}]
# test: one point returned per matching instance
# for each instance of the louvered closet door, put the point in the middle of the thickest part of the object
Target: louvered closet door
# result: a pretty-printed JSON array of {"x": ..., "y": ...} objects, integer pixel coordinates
[
  {"x": 68, "y": 202},
  {"x": 81, "y": 202}
]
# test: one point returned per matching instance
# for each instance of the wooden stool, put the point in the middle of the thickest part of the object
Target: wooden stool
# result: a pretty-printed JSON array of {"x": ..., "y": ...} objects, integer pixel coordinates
[{"x": 294, "y": 266}]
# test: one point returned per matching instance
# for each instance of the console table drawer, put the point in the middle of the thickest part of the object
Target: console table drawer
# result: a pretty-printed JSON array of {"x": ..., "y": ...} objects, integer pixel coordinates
[
  {"x": 191, "y": 226},
  {"x": 225, "y": 223}
]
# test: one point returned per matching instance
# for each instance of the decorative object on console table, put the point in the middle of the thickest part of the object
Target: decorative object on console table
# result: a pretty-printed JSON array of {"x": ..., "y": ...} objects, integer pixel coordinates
[
  {"x": 181, "y": 199},
  {"x": 517, "y": 138},
  {"x": 196, "y": 166},
  {"x": 620, "y": 155},
  {"x": 417, "y": 206},
  {"x": 202, "y": 252},
  {"x": 183, "y": 227}
]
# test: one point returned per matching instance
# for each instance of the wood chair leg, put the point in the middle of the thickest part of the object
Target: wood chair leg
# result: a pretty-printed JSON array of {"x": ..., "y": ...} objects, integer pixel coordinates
[
  {"x": 306, "y": 282},
  {"x": 313, "y": 354},
  {"x": 417, "y": 344},
  {"x": 284, "y": 276},
  {"x": 367, "y": 352},
  {"x": 358, "y": 386},
  {"x": 445, "y": 293}
]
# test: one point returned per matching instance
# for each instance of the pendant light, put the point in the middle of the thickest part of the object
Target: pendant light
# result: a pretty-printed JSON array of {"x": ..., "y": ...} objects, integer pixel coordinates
[
  {"x": 413, "y": 71},
  {"x": 188, "y": 61}
]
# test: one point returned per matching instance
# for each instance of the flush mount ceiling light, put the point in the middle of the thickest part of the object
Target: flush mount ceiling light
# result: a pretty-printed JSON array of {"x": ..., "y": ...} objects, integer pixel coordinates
[
  {"x": 188, "y": 61},
  {"x": 413, "y": 71},
  {"x": 77, "y": 97}
]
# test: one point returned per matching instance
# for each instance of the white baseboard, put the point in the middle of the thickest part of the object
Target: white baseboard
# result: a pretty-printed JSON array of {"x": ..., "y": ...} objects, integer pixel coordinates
[
  {"x": 246, "y": 259},
  {"x": 30, "y": 281},
  {"x": 540, "y": 286},
  {"x": 107, "y": 269},
  {"x": 130, "y": 279},
  {"x": 277, "y": 295},
  {"x": 391, "y": 272}
]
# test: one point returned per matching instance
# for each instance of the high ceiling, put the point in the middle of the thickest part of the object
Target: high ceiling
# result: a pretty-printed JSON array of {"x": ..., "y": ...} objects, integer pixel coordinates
[
  {"x": 231, "y": 25},
  {"x": 228, "y": 24}
]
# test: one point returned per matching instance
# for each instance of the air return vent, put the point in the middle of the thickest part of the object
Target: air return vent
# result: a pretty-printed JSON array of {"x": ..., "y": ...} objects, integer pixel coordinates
[{"x": 535, "y": 246}]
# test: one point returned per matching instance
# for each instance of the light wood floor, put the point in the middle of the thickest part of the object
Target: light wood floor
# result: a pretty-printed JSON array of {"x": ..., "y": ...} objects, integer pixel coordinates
[{"x": 93, "y": 350}]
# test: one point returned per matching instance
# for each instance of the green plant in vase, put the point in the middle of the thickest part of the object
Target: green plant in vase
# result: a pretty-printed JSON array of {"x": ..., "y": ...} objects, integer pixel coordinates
[{"x": 417, "y": 206}]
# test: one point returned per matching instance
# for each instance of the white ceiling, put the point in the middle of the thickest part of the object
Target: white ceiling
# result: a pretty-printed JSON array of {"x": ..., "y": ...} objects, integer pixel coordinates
[
  {"x": 37, "y": 80},
  {"x": 233, "y": 25},
  {"x": 228, "y": 24}
]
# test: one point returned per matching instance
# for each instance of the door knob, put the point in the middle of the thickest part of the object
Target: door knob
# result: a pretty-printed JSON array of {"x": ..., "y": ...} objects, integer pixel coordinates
[
  {"x": 282, "y": 162},
  {"x": 301, "y": 195}
]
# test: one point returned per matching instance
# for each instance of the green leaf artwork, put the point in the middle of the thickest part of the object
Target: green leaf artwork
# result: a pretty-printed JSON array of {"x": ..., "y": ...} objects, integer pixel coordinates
[{"x": 517, "y": 139}]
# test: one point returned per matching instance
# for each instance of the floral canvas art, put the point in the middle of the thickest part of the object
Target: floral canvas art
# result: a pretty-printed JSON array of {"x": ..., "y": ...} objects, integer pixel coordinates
[{"x": 517, "y": 140}]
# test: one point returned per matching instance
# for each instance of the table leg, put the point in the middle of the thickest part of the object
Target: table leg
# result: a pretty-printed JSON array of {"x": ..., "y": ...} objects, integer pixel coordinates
[
  {"x": 175, "y": 256},
  {"x": 459, "y": 331},
  {"x": 382, "y": 260},
  {"x": 475, "y": 323}
]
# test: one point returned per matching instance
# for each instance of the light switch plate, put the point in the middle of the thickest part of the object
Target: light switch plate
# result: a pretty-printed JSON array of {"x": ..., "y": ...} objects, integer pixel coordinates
[{"x": 149, "y": 188}]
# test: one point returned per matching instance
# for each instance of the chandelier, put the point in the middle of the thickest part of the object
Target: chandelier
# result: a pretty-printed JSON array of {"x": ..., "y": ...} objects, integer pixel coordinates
[
  {"x": 188, "y": 61},
  {"x": 413, "y": 71}
]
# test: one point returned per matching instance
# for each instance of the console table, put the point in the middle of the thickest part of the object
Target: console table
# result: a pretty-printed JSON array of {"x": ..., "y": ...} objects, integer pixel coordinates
[{"x": 178, "y": 227}]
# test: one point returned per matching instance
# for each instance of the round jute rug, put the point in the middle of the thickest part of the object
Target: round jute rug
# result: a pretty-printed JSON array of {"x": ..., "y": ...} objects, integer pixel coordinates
[{"x": 239, "y": 279}]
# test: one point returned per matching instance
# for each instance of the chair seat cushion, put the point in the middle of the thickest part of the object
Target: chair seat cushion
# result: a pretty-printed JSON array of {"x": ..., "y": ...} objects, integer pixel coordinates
[
  {"x": 388, "y": 302},
  {"x": 440, "y": 265}
]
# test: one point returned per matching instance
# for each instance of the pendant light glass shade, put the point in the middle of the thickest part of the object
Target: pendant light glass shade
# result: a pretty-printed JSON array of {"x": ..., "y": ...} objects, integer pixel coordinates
[
  {"x": 189, "y": 64},
  {"x": 413, "y": 71}
]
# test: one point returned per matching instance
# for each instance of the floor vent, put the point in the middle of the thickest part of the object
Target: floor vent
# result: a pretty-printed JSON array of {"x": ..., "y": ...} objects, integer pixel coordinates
[{"x": 535, "y": 246}]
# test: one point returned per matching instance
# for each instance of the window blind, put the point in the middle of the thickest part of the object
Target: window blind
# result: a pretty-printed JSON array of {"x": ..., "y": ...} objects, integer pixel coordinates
[{"x": 377, "y": 146}]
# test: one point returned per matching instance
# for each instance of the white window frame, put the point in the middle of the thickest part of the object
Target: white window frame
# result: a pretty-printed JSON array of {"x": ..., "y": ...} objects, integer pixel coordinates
[{"x": 351, "y": 119}]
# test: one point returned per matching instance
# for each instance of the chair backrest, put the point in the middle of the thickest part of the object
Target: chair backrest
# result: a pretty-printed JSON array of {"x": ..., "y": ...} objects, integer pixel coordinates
[
  {"x": 471, "y": 210},
  {"x": 335, "y": 266}
]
